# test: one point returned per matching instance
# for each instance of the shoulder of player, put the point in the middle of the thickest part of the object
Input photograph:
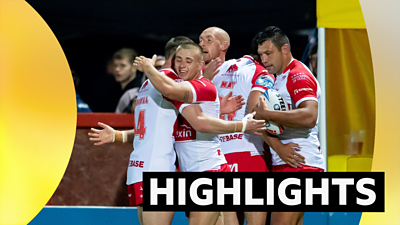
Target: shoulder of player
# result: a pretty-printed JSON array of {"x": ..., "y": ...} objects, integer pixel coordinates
[
  {"x": 297, "y": 70},
  {"x": 203, "y": 86},
  {"x": 170, "y": 73}
]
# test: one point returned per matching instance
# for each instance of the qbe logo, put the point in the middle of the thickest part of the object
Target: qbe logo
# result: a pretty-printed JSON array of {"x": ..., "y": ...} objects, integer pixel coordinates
[{"x": 283, "y": 192}]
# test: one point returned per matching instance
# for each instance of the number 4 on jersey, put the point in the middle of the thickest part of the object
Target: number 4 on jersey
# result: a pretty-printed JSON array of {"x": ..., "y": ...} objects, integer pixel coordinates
[{"x": 140, "y": 127}]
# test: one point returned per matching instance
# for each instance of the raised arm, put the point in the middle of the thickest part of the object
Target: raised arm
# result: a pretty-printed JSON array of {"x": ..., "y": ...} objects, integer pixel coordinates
[
  {"x": 208, "y": 124},
  {"x": 165, "y": 85}
]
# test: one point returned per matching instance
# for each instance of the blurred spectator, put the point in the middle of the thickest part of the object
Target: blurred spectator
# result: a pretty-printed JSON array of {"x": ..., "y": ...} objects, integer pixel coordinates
[
  {"x": 124, "y": 71},
  {"x": 160, "y": 60},
  {"x": 80, "y": 104},
  {"x": 314, "y": 59},
  {"x": 129, "y": 78},
  {"x": 127, "y": 102}
]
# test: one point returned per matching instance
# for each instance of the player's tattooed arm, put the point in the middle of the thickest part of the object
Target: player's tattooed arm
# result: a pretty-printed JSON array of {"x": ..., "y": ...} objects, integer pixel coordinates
[{"x": 165, "y": 85}]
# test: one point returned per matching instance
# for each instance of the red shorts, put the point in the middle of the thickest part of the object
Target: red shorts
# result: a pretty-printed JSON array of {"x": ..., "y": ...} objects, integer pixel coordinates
[
  {"x": 224, "y": 168},
  {"x": 135, "y": 194},
  {"x": 244, "y": 162},
  {"x": 287, "y": 168}
]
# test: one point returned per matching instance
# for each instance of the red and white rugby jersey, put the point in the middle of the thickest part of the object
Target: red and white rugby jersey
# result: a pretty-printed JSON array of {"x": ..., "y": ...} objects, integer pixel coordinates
[
  {"x": 241, "y": 76},
  {"x": 198, "y": 152},
  {"x": 297, "y": 84},
  {"x": 155, "y": 117}
]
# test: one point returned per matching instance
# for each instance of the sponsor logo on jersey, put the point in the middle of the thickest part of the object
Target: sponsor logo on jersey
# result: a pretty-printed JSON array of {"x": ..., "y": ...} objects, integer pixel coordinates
[
  {"x": 276, "y": 107},
  {"x": 228, "y": 84},
  {"x": 302, "y": 89},
  {"x": 184, "y": 132},
  {"x": 142, "y": 101},
  {"x": 230, "y": 137},
  {"x": 299, "y": 76},
  {"x": 232, "y": 68},
  {"x": 143, "y": 88},
  {"x": 136, "y": 163},
  {"x": 265, "y": 81}
]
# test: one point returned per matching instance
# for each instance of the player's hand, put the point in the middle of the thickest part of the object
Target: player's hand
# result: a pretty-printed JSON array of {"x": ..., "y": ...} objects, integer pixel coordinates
[
  {"x": 210, "y": 70},
  {"x": 288, "y": 153},
  {"x": 261, "y": 109},
  {"x": 230, "y": 104},
  {"x": 102, "y": 136},
  {"x": 255, "y": 126},
  {"x": 142, "y": 62}
]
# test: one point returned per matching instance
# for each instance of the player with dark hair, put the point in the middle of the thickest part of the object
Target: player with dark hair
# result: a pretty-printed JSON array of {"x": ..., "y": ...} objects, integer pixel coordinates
[
  {"x": 246, "y": 77},
  {"x": 300, "y": 89}
]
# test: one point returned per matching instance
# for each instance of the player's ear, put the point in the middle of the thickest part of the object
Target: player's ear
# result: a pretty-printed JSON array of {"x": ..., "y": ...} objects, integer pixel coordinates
[
  {"x": 285, "y": 49},
  {"x": 224, "y": 46},
  {"x": 203, "y": 64}
]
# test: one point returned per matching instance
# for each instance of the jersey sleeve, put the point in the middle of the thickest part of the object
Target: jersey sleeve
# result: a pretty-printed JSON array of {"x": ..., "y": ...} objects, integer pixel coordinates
[
  {"x": 202, "y": 90},
  {"x": 262, "y": 80},
  {"x": 301, "y": 87}
]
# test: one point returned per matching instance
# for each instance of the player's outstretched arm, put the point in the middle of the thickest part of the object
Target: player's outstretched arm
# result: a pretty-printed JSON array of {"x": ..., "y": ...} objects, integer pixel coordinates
[
  {"x": 208, "y": 124},
  {"x": 230, "y": 104},
  {"x": 287, "y": 152},
  {"x": 165, "y": 85},
  {"x": 108, "y": 135},
  {"x": 305, "y": 116}
]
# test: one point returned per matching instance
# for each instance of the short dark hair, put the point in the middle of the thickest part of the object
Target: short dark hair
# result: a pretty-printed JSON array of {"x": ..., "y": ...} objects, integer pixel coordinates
[
  {"x": 130, "y": 53},
  {"x": 173, "y": 44},
  {"x": 272, "y": 33}
]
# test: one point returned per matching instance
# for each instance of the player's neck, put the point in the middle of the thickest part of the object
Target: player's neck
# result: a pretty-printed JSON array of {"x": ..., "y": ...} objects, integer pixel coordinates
[
  {"x": 167, "y": 64},
  {"x": 198, "y": 75},
  {"x": 222, "y": 57},
  {"x": 286, "y": 60}
]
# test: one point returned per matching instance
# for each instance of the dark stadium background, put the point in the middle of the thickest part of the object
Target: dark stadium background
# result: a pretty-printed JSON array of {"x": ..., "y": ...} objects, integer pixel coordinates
[{"x": 89, "y": 31}]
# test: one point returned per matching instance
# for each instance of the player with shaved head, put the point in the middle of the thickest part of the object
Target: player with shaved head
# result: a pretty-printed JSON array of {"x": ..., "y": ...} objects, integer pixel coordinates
[
  {"x": 215, "y": 43},
  {"x": 246, "y": 77}
]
